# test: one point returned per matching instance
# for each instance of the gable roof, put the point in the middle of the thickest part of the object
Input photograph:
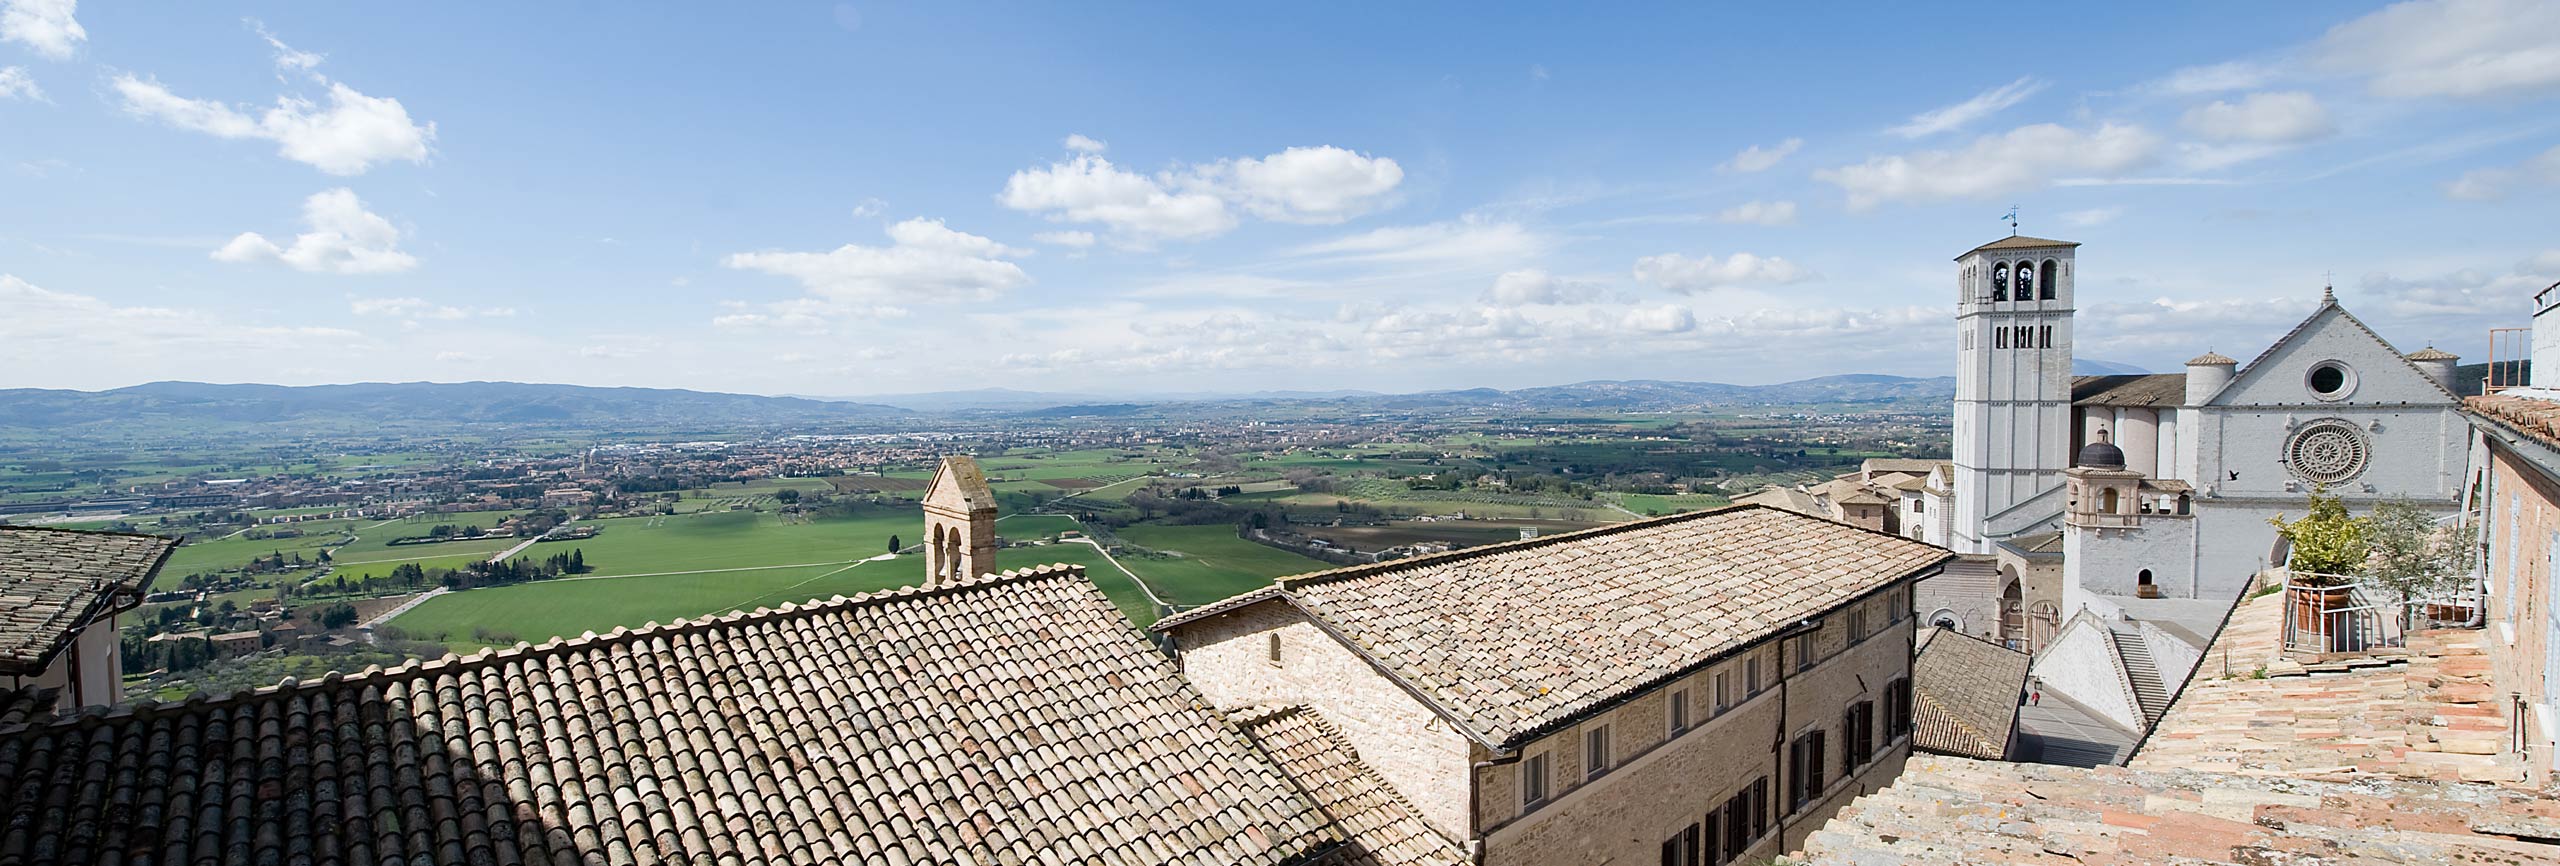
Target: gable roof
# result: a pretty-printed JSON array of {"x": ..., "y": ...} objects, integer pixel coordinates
[
  {"x": 1965, "y": 694},
  {"x": 2144, "y": 389},
  {"x": 2328, "y": 303},
  {"x": 1381, "y": 824},
  {"x": 2019, "y": 242},
  {"x": 54, "y": 582},
  {"x": 959, "y": 483},
  {"x": 1510, "y": 640},
  {"x": 1014, "y": 718}
]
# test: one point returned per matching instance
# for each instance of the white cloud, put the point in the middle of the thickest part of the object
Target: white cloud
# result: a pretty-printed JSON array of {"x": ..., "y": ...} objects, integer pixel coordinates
[
  {"x": 1663, "y": 319},
  {"x": 15, "y": 83},
  {"x": 1077, "y": 240},
  {"x": 44, "y": 26},
  {"x": 2462, "y": 294},
  {"x": 1320, "y": 185},
  {"x": 1757, "y": 158},
  {"x": 1304, "y": 184},
  {"x": 2216, "y": 78},
  {"x": 1678, "y": 273},
  {"x": 1089, "y": 189},
  {"x": 1468, "y": 240},
  {"x": 343, "y": 238},
  {"x": 2279, "y": 117},
  {"x": 868, "y": 208},
  {"x": 1962, "y": 114},
  {"x": 349, "y": 136},
  {"x": 288, "y": 59},
  {"x": 925, "y": 261},
  {"x": 1534, "y": 286},
  {"x": 2020, "y": 159},
  {"x": 2490, "y": 184},
  {"x": 2455, "y": 48},
  {"x": 86, "y": 341},
  {"x": 1765, "y": 213},
  {"x": 2092, "y": 217},
  {"x": 421, "y": 308}
]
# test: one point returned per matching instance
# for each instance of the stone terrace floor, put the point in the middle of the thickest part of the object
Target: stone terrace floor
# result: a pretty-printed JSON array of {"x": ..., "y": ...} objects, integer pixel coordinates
[{"x": 2429, "y": 715}]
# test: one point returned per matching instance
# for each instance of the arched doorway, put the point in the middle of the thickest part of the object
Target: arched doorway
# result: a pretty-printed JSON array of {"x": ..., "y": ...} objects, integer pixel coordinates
[{"x": 2012, "y": 609}]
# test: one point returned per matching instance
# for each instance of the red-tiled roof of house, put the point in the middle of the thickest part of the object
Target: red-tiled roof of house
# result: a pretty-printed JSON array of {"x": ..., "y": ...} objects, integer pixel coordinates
[
  {"x": 1014, "y": 718},
  {"x": 1509, "y": 640},
  {"x": 1965, "y": 694},
  {"x": 54, "y": 582},
  {"x": 1380, "y": 824}
]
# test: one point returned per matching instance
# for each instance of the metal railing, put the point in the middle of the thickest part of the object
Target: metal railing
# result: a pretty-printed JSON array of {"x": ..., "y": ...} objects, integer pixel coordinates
[
  {"x": 2509, "y": 349},
  {"x": 2327, "y": 613}
]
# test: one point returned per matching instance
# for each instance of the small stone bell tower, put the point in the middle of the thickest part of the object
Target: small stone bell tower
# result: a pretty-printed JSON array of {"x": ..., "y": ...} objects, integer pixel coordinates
[{"x": 959, "y": 523}]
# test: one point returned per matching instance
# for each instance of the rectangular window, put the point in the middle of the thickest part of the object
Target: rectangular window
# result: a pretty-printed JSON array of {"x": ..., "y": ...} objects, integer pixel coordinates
[
  {"x": 1737, "y": 826},
  {"x": 1679, "y": 702},
  {"x": 1804, "y": 770},
  {"x": 1274, "y": 651},
  {"x": 1724, "y": 691},
  {"x": 1857, "y": 736},
  {"x": 1897, "y": 708},
  {"x": 1595, "y": 752},
  {"x": 2044, "y": 337},
  {"x": 1712, "y": 850},
  {"x": 1533, "y": 780},
  {"x": 1759, "y": 807},
  {"x": 2026, "y": 337},
  {"x": 1804, "y": 652},
  {"x": 1858, "y": 624},
  {"x": 2000, "y": 338},
  {"x": 1751, "y": 675}
]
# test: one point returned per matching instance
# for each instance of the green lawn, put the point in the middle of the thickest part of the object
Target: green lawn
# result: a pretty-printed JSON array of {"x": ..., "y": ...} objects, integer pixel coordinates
[
  {"x": 1651, "y": 504},
  {"x": 1214, "y": 563}
]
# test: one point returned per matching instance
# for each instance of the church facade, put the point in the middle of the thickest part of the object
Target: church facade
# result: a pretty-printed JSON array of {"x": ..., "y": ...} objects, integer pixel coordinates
[{"x": 2161, "y": 485}]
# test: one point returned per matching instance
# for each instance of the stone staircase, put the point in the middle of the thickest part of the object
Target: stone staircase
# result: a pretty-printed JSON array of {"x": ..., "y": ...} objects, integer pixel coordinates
[
  {"x": 1959, "y": 811},
  {"x": 2148, "y": 691}
]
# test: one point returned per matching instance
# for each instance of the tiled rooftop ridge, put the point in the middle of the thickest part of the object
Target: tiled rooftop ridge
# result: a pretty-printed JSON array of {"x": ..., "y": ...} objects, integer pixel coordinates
[
  {"x": 456, "y": 663},
  {"x": 1510, "y": 641},
  {"x": 54, "y": 582}
]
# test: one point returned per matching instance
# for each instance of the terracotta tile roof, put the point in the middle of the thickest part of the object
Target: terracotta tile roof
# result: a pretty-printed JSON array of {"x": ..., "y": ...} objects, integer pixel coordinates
[
  {"x": 959, "y": 483},
  {"x": 2213, "y": 359},
  {"x": 1365, "y": 809},
  {"x": 53, "y": 582},
  {"x": 1945, "y": 810},
  {"x": 1965, "y": 694},
  {"x": 1014, "y": 718},
  {"x": 2432, "y": 353},
  {"x": 31, "y": 704},
  {"x": 2020, "y": 242},
  {"x": 2535, "y": 418},
  {"x": 1782, "y": 497},
  {"x": 1509, "y": 640},
  {"x": 2148, "y": 389},
  {"x": 1913, "y": 465}
]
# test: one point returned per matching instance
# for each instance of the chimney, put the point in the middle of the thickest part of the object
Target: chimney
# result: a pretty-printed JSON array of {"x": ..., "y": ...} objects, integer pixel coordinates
[
  {"x": 2437, "y": 364},
  {"x": 2206, "y": 375}
]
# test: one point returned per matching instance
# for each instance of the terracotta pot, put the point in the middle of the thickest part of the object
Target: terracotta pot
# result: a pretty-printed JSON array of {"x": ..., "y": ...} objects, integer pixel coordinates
[{"x": 2311, "y": 606}]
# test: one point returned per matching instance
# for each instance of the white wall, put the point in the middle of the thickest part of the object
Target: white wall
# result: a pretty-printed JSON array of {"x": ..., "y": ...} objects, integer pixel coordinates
[{"x": 2080, "y": 664}]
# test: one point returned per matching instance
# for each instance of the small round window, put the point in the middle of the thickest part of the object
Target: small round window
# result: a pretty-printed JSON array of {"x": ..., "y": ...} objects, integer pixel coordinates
[{"x": 2330, "y": 380}]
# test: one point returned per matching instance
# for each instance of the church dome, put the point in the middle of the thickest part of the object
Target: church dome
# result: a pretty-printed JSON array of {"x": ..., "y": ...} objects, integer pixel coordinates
[{"x": 2100, "y": 455}]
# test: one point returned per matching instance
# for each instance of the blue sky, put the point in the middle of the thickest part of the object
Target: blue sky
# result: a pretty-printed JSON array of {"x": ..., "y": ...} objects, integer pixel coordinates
[{"x": 859, "y": 198}]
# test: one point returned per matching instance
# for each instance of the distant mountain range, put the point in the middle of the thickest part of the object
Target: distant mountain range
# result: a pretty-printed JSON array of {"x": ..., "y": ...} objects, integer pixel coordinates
[
  {"x": 177, "y": 408},
  {"x": 414, "y": 404}
]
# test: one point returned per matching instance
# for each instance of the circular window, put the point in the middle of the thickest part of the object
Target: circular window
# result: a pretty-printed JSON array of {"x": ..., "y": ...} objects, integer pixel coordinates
[
  {"x": 2327, "y": 452},
  {"x": 2330, "y": 380}
]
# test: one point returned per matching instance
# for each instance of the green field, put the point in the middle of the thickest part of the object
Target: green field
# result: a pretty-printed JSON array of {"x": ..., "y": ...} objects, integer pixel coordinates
[
  {"x": 726, "y": 561},
  {"x": 1649, "y": 504},
  {"x": 1213, "y": 564}
]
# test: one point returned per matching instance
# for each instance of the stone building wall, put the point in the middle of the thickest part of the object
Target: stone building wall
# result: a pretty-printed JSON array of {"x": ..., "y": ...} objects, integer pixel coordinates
[
  {"x": 1659, "y": 788},
  {"x": 2520, "y": 520},
  {"x": 1228, "y": 658}
]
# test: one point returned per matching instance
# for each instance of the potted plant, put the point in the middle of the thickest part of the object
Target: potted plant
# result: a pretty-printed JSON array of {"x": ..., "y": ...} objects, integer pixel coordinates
[
  {"x": 2328, "y": 548},
  {"x": 2411, "y": 554}
]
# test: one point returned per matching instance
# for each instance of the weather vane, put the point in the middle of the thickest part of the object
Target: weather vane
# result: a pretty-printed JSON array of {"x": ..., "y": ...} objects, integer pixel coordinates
[{"x": 2012, "y": 217}]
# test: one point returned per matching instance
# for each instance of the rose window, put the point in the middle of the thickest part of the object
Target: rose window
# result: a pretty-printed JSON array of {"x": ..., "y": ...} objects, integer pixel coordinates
[{"x": 2327, "y": 452}]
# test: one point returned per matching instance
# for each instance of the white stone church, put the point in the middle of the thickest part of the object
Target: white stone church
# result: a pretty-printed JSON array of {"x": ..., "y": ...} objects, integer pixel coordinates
[{"x": 2153, "y": 492}]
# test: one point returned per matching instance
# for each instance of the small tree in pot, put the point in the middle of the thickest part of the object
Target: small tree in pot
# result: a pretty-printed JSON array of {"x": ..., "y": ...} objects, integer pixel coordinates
[
  {"x": 2328, "y": 547},
  {"x": 2412, "y": 554}
]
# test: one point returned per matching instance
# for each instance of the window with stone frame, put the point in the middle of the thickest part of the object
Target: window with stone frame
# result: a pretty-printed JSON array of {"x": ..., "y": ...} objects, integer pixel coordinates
[
  {"x": 1805, "y": 652},
  {"x": 1724, "y": 691},
  {"x": 1897, "y": 709},
  {"x": 1857, "y": 624},
  {"x": 1677, "y": 702},
  {"x": 1999, "y": 338},
  {"x": 1682, "y": 848},
  {"x": 1857, "y": 736},
  {"x": 1751, "y": 675},
  {"x": 1595, "y": 751},
  {"x": 1805, "y": 767},
  {"x": 1533, "y": 780},
  {"x": 1273, "y": 653}
]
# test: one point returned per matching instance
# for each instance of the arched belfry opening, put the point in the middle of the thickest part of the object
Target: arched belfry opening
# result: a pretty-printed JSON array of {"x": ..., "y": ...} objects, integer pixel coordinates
[
  {"x": 2000, "y": 282},
  {"x": 960, "y": 522},
  {"x": 2047, "y": 279}
]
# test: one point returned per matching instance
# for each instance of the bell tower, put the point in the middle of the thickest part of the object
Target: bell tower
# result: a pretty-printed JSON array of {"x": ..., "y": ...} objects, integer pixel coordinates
[
  {"x": 959, "y": 523},
  {"x": 2013, "y": 387}
]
